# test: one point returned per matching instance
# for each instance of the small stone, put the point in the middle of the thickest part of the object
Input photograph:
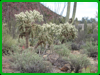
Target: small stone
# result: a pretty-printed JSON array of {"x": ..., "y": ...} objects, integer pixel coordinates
[{"x": 64, "y": 68}]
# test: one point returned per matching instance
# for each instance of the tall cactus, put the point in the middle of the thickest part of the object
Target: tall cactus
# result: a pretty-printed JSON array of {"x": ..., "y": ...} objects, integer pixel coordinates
[
  {"x": 85, "y": 27},
  {"x": 74, "y": 12},
  {"x": 68, "y": 12},
  {"x": 93, "y": 26}
]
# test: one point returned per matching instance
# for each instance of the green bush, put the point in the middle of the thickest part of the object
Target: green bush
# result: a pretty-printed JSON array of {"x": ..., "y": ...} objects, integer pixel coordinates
[
  {"x": 22, "y": 42},
  {"x": 84, "y": 51},
  {"x": 41, "y": 49},
  {"x": 68, "y": 45},
  {"x": 95, "y": 31},
  {"x": 34, "y": 42},
  {"x": 89, "y": 29},
  {"x": 8, "y": 44},
  {"x": 79, "y": 27},
  {"x": 62, "y": 50},
  {"x": 95, "y": 36},
  {"x": 89, "y": 48},
  {"x": 58, "y": 47},
  {"x": 29, "y": 62},
  {"x": 75, "y": 46},
  {"x": 78, "y": 61},
  {"x": 80, "y": 36}
]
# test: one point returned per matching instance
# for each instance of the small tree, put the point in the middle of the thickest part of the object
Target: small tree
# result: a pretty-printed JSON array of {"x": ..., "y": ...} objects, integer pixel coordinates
[{"x": 26, "y": 23}]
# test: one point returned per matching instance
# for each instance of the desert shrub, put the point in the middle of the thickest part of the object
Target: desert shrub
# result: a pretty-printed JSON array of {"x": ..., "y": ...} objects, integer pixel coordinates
[
  {"x": 79, "y": 27},
  {"x": 33, "y": 42},
  {"x": 89, "y": 29},
  {"x": 80, "y": 37},
  {"x": 88, "y": 36},
  {"x": 95, "y": 31},
  {"x": 8, "y": 42},
  {"x": 8, "y": 46},
  {"x": 78, "y": 61},
  {"x": 62, "y": 50},
  {"x": 68, "y": 45},
  {"x": 22, "y": 42},
  {"x": 95, "y": 27},
  {"x": 58, "y": 47},
  {"x": 75, "y": 46},
  {"x": 95, "y": 36},
  {"x": 41, "y": 48},
  {"x": 15, "y": 49},
  {"x": 84, "y": 51},
  {"x": 90, "y": 48},
  {"x": 29, "y": 62}
]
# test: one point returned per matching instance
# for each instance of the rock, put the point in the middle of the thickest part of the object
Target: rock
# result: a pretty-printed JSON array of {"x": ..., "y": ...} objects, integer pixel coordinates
[
  {"x": 65, "y": 68},
  {"x": 53, "y": 56},
  {"x": 56, "y": 70}
]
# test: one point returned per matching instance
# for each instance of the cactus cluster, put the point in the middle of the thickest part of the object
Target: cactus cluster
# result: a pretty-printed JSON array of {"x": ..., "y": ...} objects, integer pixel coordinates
[
  {"x": 26, "y": 24},
  {"x": 50, "y": 32}
]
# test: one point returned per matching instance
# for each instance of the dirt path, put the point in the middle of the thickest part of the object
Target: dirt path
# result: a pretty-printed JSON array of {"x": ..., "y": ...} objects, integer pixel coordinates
[{"x": 6, "y": 66}]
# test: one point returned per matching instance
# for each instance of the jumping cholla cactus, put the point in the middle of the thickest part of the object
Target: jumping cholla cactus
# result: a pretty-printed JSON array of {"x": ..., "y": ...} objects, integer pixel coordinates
[
  {"x": 44, "y": 33},
  {"x": 26, "y": 23},
  {"x": 50, "y": 32}
]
